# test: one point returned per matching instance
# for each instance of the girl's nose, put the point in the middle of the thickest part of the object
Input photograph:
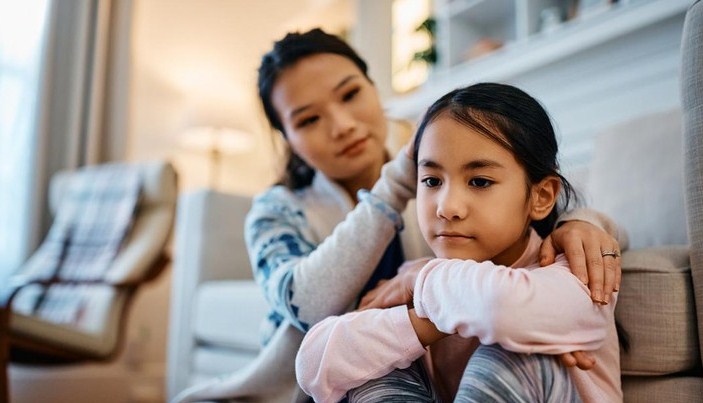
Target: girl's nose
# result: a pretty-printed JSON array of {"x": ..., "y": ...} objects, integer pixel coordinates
[
  {"x": 343, "y": 122},
  {"x": 450, "y": 206}
]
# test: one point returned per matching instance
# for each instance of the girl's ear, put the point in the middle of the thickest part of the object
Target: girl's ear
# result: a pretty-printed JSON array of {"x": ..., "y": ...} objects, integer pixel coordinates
[{"x": 544, "y": 196}]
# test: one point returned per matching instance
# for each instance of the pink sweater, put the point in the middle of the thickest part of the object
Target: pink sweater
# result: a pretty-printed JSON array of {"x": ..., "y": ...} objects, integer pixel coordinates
[{"x": 524, "y": 308}]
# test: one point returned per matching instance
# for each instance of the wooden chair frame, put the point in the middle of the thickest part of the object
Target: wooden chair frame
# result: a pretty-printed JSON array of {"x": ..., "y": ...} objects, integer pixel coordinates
[{"x": 45, "y": 354}]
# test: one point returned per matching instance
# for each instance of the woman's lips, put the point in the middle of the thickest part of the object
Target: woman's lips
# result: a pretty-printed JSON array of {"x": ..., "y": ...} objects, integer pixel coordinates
[{"x": 354, "y": 148}]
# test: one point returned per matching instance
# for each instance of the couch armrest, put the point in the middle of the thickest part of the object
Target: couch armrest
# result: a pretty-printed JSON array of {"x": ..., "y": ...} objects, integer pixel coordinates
[
  {"x": 209, "y": 246},
  {"x": 229, "y": 314},
  {"x": 692, "y": 105},
  {"x": 656, "y": 307},
  {"x": 210, "y": 236}
]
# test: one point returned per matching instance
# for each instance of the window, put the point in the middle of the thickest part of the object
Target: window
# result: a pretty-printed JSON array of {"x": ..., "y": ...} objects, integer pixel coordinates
[
  {"x": 407, "y": 42},
  {"x": 22, "y": 26}
]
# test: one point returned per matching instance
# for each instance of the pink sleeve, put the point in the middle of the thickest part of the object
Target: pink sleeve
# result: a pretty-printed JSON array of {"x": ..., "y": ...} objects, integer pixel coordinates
[
  {"x": 344, "y": 352},
  {"x": 545, "y": 310}
]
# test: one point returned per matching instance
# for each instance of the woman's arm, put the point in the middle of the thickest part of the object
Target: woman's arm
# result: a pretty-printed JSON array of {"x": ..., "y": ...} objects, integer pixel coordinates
[
  {"x": 544, "y": 310},
  {"x": 342, "y": 353},
  {"x": 306, "y": 282}
]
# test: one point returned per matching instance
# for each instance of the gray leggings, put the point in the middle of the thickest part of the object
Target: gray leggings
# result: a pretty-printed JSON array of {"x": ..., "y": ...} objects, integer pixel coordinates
[{"x": 492, "y": 375}]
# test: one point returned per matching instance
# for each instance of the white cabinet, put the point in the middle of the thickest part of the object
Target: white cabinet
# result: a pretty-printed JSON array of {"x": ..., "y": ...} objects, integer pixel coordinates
[
  {"x": 614, "y": 64},
  {"x": 462, "y": 24},
  {"x": 525, "y": 48}
]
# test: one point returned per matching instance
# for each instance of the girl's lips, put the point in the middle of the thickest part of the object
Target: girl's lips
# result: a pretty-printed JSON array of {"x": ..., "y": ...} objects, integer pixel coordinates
[
  {"x": 452, "y": 235},
  {"x": 354, "y": 148},
  {"x": 452, "y": 238}
]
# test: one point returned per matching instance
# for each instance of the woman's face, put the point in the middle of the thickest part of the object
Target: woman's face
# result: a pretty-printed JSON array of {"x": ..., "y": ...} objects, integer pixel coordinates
[{"x": 332, "y": 117}]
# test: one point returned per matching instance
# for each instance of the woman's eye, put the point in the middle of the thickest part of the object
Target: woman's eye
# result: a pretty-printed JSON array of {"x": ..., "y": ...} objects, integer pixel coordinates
[
  {"x": 431, "y": 182},
  {"x": 480, "y": 182},
  {"x": 349, "y": 95},
  {"x": 307, "y": 121}
]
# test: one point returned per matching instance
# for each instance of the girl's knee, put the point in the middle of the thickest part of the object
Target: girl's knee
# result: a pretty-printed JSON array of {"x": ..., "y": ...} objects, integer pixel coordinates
[
  {"x": 402, "y": 385},
  {"x": 496, "y": 374}
]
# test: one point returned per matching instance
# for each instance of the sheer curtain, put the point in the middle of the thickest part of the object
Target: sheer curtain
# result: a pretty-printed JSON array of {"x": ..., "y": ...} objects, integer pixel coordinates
[{"x": 22, "y": 38}]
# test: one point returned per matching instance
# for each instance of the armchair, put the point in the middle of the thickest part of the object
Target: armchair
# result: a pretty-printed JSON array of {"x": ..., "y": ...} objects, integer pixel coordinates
[{"x": 69, "y": 302}]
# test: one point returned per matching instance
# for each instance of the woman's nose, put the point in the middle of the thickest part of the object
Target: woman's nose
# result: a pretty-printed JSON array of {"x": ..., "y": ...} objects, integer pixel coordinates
[
  {"x": 450, "y": 206},
  {"x": 343, "y": 121}
]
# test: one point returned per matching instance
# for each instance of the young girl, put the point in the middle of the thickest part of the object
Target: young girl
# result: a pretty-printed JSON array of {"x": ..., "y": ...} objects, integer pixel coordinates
[{"x": 488, "y": 186}]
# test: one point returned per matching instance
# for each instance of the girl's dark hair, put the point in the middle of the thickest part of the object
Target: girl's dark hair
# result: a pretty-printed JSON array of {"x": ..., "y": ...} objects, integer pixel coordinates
[
  {"x": 516, "y": 121},
  {"x": 285, "y": 53}
]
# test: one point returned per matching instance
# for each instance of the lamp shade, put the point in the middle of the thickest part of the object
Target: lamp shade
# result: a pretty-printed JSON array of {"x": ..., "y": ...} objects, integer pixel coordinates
[{"x": 223, "y": 140}]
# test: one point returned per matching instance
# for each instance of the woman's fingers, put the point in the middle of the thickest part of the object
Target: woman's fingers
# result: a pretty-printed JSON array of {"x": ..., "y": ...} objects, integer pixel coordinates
[
  {"x": 571, "y": 243},
  {"x": 382, "y": 296},
  {"x": 596, "y": 269},
  {"x": 397, "y": 290},
  {"x": 613, "y": 269},
  {"x": 593, "y": 257},
  {"x": 547, "y": 252}
]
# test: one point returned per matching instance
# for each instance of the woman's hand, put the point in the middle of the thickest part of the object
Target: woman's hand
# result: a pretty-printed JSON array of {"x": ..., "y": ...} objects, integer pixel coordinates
[
  {"x": 584, "y": 245},
  {"x": 397, "y": 290}
]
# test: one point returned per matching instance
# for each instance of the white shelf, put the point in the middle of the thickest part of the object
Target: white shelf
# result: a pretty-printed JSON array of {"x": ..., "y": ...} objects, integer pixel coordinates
[{"x": 539, "y": 50}]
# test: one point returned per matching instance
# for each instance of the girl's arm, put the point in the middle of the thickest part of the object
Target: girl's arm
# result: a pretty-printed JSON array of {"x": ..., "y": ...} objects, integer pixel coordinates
[
  {"x": 305, "y": 282},
  {"x": 545, "y": 310},
  {"x": 342, "y": 353}
]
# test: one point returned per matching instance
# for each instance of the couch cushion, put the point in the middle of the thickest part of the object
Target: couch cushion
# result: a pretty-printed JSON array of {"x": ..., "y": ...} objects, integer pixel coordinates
[
  {"x": 215, "y": 361},
  {"x": 94, "y": 335},
  {"x": 629, "y": 182},
  {"x": 641, "y": 389},
  {"x": 655, "y": 306},
  {"x": 229, "y": 313}
]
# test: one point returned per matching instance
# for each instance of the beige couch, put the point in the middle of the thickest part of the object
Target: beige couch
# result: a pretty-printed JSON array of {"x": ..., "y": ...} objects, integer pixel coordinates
[{"x": 637, "y": 177}]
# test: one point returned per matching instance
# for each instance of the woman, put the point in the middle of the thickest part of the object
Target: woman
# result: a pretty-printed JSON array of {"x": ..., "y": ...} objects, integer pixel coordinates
[{"x": 318, "y": 241}]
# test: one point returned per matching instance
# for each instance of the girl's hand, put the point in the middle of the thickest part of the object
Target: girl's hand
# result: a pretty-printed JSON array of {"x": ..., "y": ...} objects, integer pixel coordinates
[
  {"x": 580, "y": 359},
  {"x": 584, "y": 244},
  {"x": 397, "y": 290},
  {"x": 425, "y": 330}
]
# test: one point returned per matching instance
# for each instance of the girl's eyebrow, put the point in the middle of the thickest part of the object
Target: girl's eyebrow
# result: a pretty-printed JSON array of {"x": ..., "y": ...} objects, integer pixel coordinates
[
  {"x": 483, "y": 163},
  {"x": 475, "y": 164},
  {"x": 428, "y": 164},
  {"x": 341, "y": 84}
]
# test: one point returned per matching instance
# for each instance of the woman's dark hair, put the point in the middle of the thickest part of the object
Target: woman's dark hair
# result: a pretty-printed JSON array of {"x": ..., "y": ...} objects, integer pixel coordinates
[
  {"x": 516, "y": 121},
  {"x": 285, "y": 53}
]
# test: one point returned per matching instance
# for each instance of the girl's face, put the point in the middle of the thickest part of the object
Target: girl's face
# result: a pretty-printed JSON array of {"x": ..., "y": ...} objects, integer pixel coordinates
[
  {"x": 332, "y": 117},
  {"x": 472, "y": 195}
]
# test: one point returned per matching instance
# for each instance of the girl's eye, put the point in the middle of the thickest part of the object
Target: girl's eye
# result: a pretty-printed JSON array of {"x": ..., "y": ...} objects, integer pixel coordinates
[
  {"x": 480, "y": 182},
  {"x": 349, "y": 95},
  {"x": 431, "y": 182},
  {"x": 307, "y": 121}
]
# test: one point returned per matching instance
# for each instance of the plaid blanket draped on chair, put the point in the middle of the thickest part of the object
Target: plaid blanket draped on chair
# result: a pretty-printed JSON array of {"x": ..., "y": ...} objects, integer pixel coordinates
[{"x": 94, "y": 216}]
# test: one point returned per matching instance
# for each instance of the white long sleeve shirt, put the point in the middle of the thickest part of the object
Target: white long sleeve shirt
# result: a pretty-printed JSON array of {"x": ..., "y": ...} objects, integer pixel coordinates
[{"x": 524, "y": 308}]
